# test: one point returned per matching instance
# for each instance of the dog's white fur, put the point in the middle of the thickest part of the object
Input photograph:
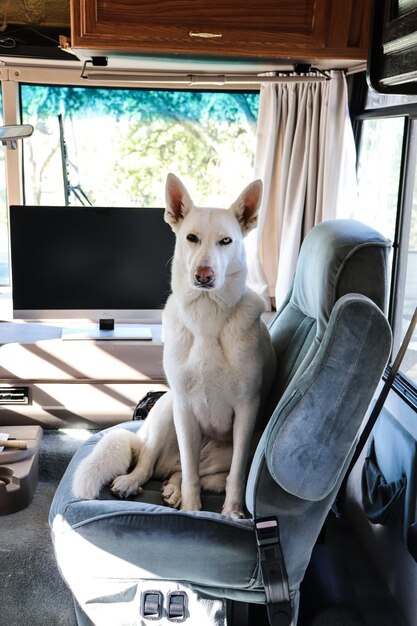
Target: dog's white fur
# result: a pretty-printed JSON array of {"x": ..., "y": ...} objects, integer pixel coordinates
[{"x": 217, "y": 354}]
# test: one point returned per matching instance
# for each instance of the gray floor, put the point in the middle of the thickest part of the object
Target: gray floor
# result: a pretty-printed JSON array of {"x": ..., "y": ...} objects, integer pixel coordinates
[{"x": 31, "y": 589}]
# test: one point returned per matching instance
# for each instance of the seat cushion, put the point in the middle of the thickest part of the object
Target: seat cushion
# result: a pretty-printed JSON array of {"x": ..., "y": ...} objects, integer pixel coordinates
[{"x": 140, "y": 538}]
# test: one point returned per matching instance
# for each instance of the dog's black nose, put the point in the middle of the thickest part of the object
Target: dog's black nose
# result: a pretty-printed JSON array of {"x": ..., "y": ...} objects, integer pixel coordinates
[{"x": 204, "y": 275}]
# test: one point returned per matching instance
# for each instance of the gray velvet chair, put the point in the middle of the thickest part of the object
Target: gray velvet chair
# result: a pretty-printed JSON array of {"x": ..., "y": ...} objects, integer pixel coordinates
[{"x": 138, "y": 562}]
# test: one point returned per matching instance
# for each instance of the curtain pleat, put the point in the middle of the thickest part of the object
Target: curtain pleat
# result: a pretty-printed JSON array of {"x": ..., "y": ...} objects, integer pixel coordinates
[{"x": 306, "y": 158}]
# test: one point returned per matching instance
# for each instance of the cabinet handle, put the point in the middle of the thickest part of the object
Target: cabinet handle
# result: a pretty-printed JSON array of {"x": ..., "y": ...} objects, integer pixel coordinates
[{"x": 205, "y": 35}]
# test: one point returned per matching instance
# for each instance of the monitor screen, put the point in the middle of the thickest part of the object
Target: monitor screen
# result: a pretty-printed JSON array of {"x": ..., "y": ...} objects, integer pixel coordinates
[{"x": 84, "y": 262}]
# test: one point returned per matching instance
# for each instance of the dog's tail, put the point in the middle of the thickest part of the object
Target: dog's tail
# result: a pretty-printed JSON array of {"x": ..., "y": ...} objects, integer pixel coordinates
[{"x": 111, "y": 457}]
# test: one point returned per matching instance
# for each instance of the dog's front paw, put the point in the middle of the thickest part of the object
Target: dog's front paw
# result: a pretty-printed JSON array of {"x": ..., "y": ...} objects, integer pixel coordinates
[
  {"x": 124, "y": 486},
  {"x": 234, "y": 511},
  {"x": 171, "y": 494}
]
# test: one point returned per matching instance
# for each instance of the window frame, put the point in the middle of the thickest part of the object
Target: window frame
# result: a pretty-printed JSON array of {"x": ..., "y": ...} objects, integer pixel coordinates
[
  {"x": 405, "y": 388},
  {"x": 68, "y": 74},
  {"x": 64, "y": 75}
]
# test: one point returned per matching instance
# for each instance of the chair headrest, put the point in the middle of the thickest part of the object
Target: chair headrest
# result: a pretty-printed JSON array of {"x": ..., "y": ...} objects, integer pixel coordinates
[{"x": 338, "y": 257}]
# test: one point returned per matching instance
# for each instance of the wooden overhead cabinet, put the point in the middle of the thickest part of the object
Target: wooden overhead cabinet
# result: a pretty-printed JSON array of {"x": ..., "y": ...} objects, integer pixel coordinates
[{"x": 265, "y": 29}]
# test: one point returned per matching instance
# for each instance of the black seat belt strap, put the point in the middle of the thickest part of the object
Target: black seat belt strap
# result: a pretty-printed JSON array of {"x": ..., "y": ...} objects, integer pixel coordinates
[{"x": 274, "y": 573}]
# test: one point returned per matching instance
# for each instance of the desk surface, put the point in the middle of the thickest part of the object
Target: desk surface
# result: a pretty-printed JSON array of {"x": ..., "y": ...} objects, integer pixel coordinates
[
  {"x": 35, "y": 351},
  {"x": 21, "y": 331}
]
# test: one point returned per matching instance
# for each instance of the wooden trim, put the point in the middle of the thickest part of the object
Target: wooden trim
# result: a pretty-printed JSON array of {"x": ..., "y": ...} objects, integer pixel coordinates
[{"x": 316, "y": 29}]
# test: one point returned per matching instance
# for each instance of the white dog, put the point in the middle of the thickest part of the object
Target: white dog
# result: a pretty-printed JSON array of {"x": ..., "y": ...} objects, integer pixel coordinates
[{"x": 217, "y": 356}]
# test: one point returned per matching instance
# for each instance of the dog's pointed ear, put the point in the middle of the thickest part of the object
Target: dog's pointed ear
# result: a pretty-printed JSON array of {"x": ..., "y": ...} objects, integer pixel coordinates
[
  {"x": 246, "y": 207},
  {"x": 178, "y": 201}
]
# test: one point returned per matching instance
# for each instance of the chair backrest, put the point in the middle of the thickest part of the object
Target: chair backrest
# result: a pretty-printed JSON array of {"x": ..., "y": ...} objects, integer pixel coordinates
[
  {"x": 332, "y": 341},
  {"x": 337, "y": 257}
]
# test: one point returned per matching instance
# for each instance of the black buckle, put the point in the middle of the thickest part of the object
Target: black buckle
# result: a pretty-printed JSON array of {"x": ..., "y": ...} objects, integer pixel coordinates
[
  {"x": 274, "y": 573},
  {"x": 267, "y": 531}
]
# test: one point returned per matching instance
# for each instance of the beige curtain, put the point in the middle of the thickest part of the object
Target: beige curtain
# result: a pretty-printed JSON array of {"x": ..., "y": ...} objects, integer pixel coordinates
[{"x": 305, "y": 156}]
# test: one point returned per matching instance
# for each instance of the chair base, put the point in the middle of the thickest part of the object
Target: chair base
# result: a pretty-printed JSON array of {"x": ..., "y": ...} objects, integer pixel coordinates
[{"x": 157, "y": 602}]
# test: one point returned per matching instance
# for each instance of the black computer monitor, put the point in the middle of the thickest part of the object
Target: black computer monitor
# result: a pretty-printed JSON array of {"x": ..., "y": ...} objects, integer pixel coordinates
[{"x": 89, "y": 263}]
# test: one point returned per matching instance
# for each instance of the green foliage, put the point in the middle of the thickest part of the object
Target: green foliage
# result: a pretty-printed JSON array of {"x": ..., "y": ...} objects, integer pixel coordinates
[
  {"x": 45, "y": 102},
  {"x": 205, "y": 136}
]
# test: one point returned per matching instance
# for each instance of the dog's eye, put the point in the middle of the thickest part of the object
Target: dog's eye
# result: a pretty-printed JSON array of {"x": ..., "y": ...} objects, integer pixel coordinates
[
  {"x": 193, "y": 238},
  {"x": 225, "y": 241}
]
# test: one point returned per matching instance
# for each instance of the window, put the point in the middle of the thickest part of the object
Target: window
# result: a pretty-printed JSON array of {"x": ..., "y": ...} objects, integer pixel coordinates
[
  {"x": 121, "y": 143},
  {"x": 379, "y": 165},
  {"x": 387, "y": 184},
  {"x": 4, "y": 225}
]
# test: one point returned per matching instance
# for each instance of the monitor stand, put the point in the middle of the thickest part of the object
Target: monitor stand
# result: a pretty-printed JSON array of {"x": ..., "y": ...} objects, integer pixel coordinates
[{"x": 118, "y": 332}]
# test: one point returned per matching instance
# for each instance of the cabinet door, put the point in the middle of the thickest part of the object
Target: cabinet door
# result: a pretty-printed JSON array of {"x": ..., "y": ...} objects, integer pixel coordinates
[{"x": 203, "y": 28}]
